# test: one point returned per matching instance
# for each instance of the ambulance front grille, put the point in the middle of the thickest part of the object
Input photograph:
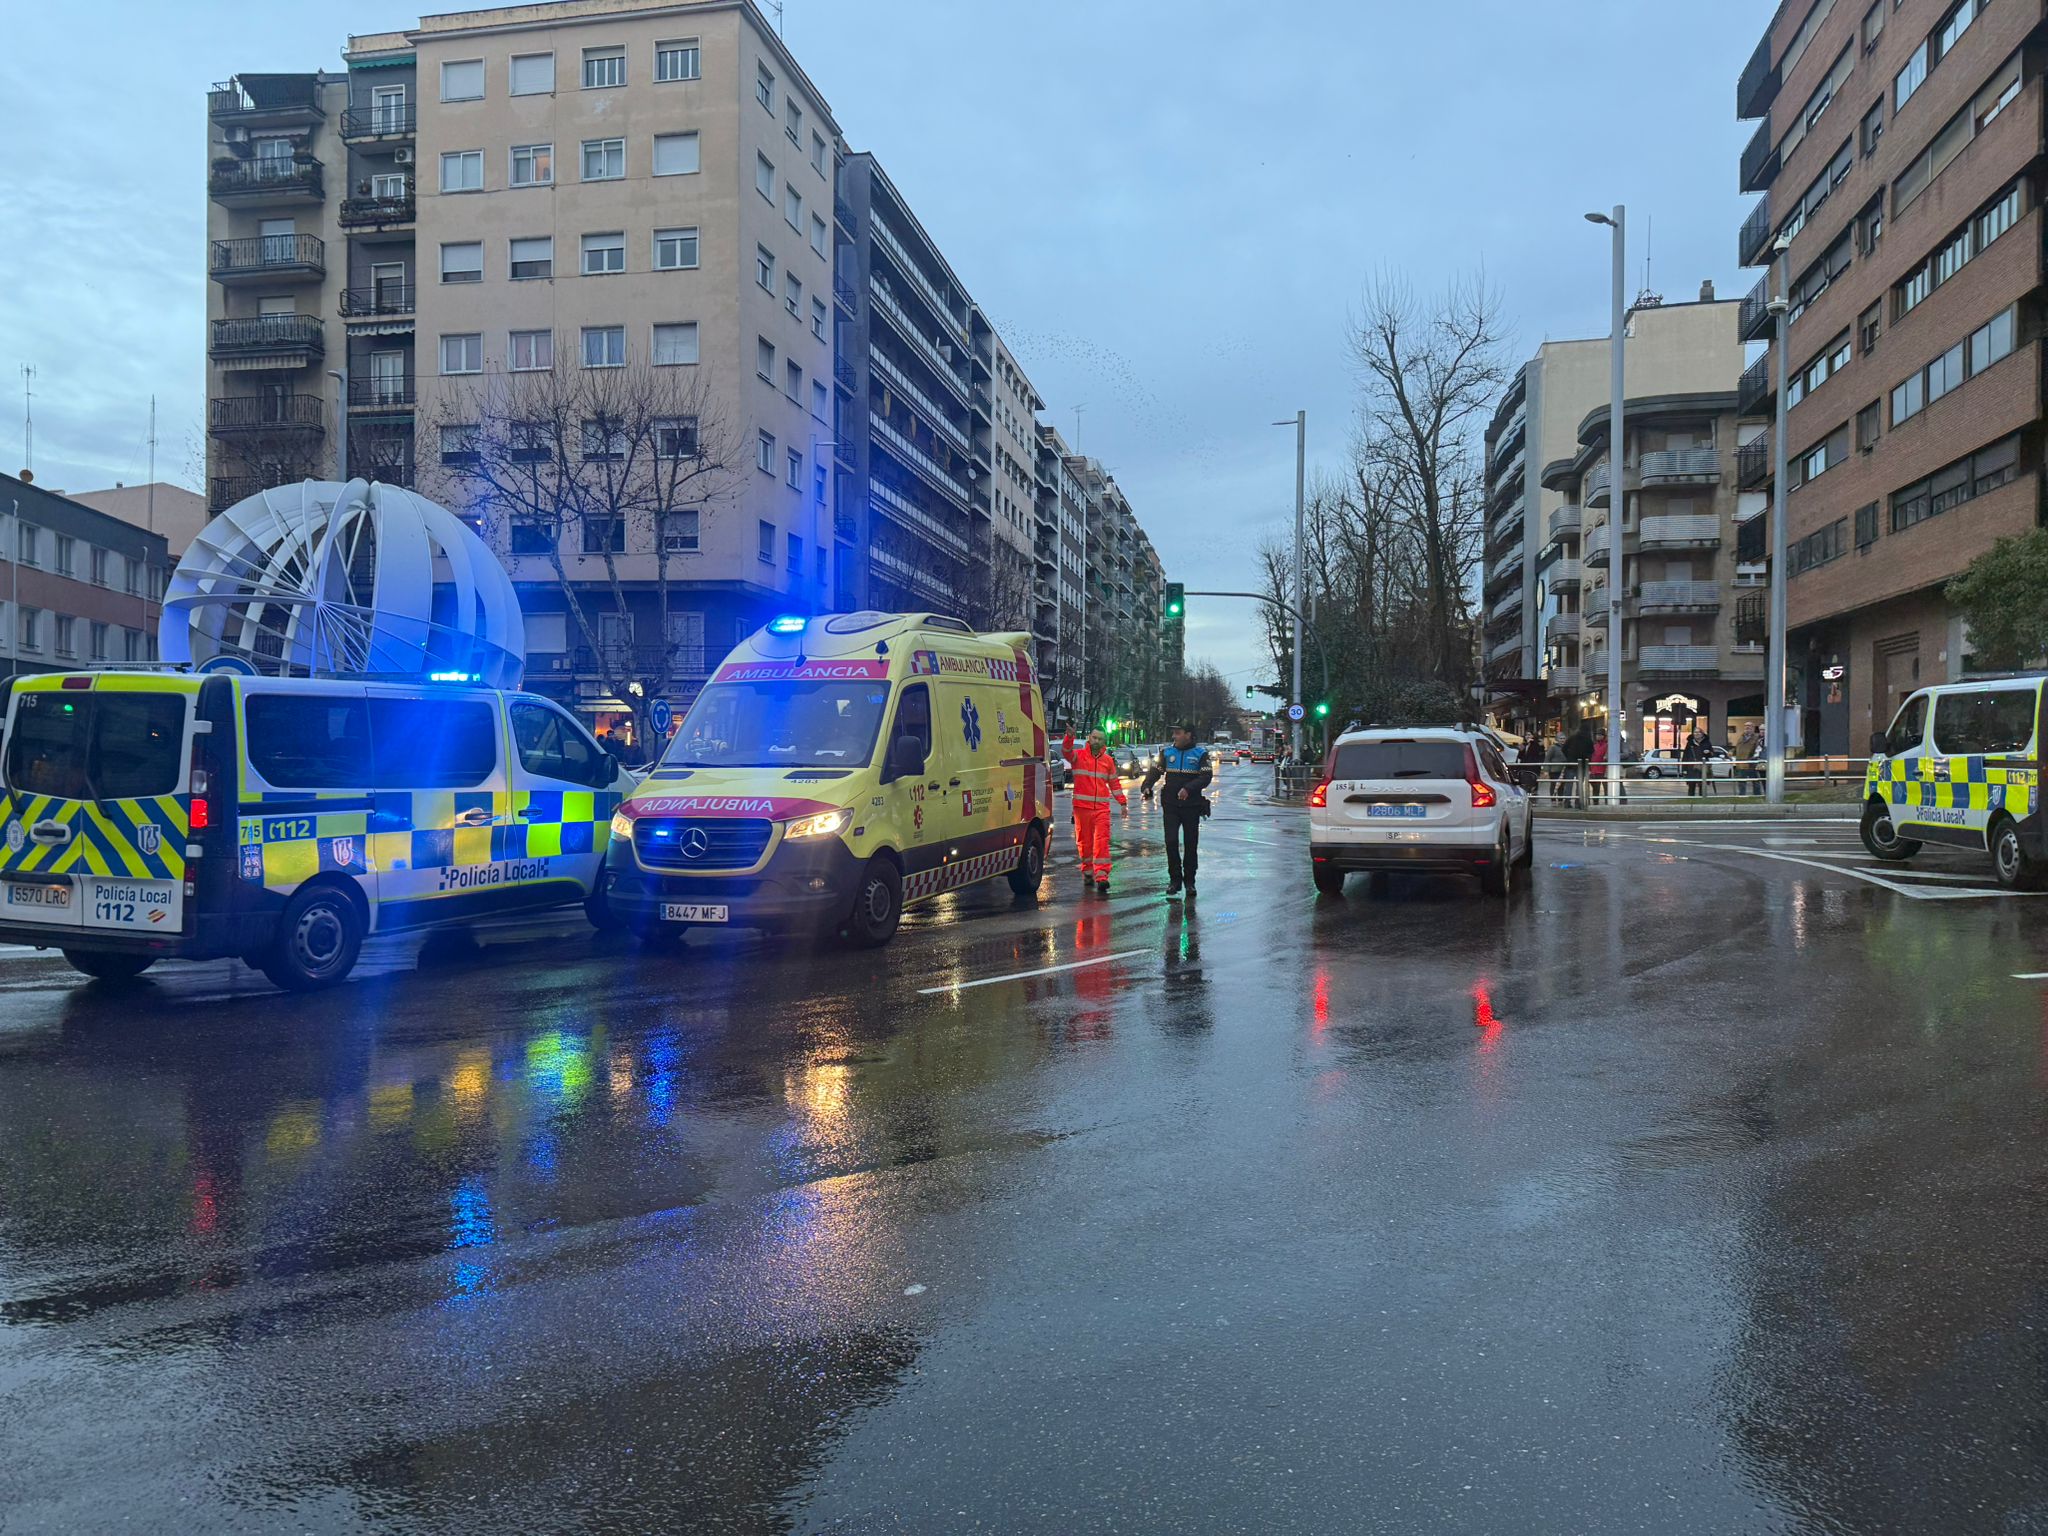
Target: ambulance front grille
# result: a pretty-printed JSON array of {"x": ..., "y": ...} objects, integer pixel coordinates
[{"x": 701, "y": 843}]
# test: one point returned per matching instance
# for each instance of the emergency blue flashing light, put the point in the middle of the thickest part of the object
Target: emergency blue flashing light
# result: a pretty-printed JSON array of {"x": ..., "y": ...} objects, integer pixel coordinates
[
  {"x": 452, "y": 677},
  {"x": 788, "y": 624}
]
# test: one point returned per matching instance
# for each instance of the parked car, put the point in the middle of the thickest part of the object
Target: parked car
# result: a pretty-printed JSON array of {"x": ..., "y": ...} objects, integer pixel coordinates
[
  {"x": 1061, "y": 771},
  {"x": 1666, "y": 763},
  {"x": 1430, "y": 800}
]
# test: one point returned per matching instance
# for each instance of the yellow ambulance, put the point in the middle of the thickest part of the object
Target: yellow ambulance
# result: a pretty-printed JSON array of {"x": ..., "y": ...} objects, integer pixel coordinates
[
  {"x": 279, "y": 819},
  {"x": 834, "y": 769}
]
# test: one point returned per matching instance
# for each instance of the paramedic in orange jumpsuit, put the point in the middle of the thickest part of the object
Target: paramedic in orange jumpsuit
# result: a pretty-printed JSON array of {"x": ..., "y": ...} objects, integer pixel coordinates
[{"x": 1096, "y": 779}]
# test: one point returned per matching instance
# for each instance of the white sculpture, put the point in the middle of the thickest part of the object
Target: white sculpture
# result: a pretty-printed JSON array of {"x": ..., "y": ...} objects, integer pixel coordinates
[{"x": 320, "y": 578}]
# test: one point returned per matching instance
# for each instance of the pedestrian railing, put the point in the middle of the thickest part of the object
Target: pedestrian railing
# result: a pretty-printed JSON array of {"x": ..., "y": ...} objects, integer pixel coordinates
[{"x": 1565, "y": 786}]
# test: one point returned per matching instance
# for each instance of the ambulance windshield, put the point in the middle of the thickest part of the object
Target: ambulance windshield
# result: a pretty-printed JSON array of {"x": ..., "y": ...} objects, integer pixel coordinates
[{"x": 829, "y": 724}]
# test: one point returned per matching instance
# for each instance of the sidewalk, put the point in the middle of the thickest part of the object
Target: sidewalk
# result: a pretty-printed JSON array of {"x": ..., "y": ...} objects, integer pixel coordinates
[{"x": 1685, "y": 808}]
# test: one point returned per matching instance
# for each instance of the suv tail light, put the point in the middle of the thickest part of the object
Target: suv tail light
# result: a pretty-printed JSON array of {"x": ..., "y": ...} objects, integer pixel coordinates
[
  {"x": 1319, "y": 797},
  {"x": 1483, "y": 797}
]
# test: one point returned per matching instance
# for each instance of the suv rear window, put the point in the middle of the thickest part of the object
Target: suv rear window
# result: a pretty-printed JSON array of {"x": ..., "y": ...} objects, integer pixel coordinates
[
  {"x": 1396, "y": 759},
  {"x": 88, "y": 745}
]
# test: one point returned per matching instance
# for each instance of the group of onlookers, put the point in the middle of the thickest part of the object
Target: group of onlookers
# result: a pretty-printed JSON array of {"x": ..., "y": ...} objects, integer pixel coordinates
[{"x": 1575, "y": 765}]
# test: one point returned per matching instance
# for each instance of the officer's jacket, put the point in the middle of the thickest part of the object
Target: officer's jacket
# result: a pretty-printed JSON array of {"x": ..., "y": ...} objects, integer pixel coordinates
[{"x": 1183, "y": 768}]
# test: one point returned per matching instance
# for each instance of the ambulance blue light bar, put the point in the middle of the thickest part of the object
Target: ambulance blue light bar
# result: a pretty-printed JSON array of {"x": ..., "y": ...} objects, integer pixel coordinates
[{"x": 787, "y": 624}]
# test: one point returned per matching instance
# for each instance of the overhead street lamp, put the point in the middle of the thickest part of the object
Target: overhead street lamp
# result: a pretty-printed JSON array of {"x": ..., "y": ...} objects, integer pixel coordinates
[
  {"x": 1617, "y": 495},
  {"x": 1775, "y": 721},
  {"x": 1300, "y": 425}
]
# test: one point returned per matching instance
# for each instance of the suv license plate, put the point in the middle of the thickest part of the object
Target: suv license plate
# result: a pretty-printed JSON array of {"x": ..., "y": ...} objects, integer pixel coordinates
[
  {"x": 1374, "y": 812},
  {"x": 691, "y": 912}
]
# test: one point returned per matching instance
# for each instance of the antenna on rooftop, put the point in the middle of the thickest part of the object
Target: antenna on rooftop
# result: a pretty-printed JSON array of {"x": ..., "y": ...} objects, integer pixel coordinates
[
  {"x": 776, "y": 7},
  {"x": 28, "y": 419}
]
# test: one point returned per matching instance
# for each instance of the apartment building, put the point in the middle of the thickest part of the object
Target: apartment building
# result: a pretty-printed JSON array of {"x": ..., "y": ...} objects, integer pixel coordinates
[
  {"x": 78, "y": 587},
  {"x": 1898, "y": 152},
  {"x": 1063, "y": 529},
  {"x": 1535, "y": 564},
  {"x": 638, "y": 189},
  {"x": 1124, "y": 586},
  {"x": 1011, "y": 491}
]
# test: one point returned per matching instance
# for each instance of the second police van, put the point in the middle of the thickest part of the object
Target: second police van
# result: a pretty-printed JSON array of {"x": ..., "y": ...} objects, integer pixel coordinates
[
  {"x": 148, "y": 814},
  {"x": 834, "y": 769},
  {"x": 1961, "y": 764}
]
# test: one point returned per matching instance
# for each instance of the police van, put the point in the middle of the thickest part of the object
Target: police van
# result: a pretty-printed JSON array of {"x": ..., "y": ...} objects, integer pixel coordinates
[
  {"x": 834, "y": 769},
  {"x": 145, "y": 814},
  {"x": 1961, "y": 764}
]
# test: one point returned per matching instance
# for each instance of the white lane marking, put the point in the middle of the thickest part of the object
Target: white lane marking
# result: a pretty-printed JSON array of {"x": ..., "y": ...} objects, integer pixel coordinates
[
  {"x": 1048, "y": 970},
  {"x": 1833, "y": 869},
  {"x": 2030, "y": 975},
  {"x": 1706, "y": 823}
]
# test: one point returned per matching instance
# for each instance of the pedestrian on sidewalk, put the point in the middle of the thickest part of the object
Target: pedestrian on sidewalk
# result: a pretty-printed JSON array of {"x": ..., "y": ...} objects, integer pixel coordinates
[
  {"x": 1578, "y": 753},
  {"x": 1185, "y": 767},
  {"x": 1597, "y": 768},
  {"x": 1695, "y": 755},
  {"x": 1097, "y": 780},
  {"x": 1751, "y": 751}
]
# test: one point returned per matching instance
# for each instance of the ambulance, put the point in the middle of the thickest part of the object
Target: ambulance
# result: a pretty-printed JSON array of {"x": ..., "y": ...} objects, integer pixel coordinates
[
  {"x": 835, "y": 769},
  {"x": 1961, "y": 764},
  {"x": 278, "y": 819}
]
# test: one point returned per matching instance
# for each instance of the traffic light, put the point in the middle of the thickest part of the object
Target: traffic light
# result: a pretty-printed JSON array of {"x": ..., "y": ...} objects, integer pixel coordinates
[
  {"x": 1322, "y": 711},
  {"x": 1176, "y": 600}
]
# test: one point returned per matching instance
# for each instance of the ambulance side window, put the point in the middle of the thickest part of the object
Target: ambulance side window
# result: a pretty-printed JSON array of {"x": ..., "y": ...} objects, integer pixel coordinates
[
  {"x": 914, "y": 719},
  {"x": 308, "y": 741},
  {"x": 1910, "y": 728}
]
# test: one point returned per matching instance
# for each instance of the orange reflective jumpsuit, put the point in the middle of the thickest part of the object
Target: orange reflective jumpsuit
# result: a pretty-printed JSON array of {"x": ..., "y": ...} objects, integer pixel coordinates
[{"x": 1096, "y": 780}]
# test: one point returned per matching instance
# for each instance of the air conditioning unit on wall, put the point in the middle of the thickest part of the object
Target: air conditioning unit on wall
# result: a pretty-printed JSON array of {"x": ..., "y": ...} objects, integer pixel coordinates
[{"x": 402, "y": 155}]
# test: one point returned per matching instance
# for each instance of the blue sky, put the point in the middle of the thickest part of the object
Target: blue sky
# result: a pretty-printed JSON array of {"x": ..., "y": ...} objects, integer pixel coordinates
[{"x": 1170, "y": 207}]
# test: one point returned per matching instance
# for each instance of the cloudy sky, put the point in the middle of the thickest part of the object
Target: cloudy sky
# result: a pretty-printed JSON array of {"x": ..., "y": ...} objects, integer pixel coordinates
[{"x": 1168, "y": 206}]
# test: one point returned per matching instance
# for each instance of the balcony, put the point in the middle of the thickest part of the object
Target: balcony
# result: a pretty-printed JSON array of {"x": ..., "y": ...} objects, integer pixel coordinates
[
  {"x": 1563, "y": 576},
  {"x": 1758, "y": 85},
  {"x": 1565, "y": 680},
  {"x": 1696, "y": 530},
  {"x": 267, "y": 259},
  {"x": 1595, "y": 491},
  {"x": 381, "y": 394},
  {"x": 843, "y": 295},
  {"x": 282, "y": 341},
  {"x": 1678, "y": 597},
  {"x": 1565, "y": 521},
  {"x": 1509, "y": 564},
  {"x": 1599, "y": 545},
  {"x": 935, "y": 588},
  {"x": 223, "y": 491},
  {"x": 377, "y": 212},
  {"x": 1500, "y": 530},
  {"x": 379, "y": 121},
  {"x": 1511, "y": 603},
  {"x": 885, "y": 237},
  {"x": 1759, "y": 158},
  {"x": 844, "y": 529},
  {"x": 1751, "y": 619},
  {"x": 1596, "y": 612},
  {"x": 1753, "y": 240},
  {"x": 882, "y": 302},
  {"x": 1562, "y": 626},
  {"x": 265, "y": 413},
  {"x": 1755, "y": 319},
  {"x": 1757, "y": 389},
  {"x": 934, "y": 414},
  {"x": 916, "y": 459},
  {"x": 1753, "y": 463},
  {"x": 1678, "y": 659},
  {"x": 1678, "y": 466},
  {"x": 265, "y": 182},
  {"x": 266, "y": 101},
  {"x": 1500, "y": 650},
  {"x": 1753, "y": 540},
  {"x": 380, "y": 300}
]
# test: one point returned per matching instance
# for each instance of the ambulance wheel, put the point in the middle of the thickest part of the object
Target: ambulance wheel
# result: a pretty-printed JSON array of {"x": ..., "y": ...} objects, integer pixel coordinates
[
  {"x": 1881, "y": 837},
  {"x": 597, "y": 907},
  {"x": 877, "y": 906},
  {"x": 1030, "y": 870},
  {"x": 1329, "y": 882},
  {"x": 2016, "y": 871},
  {"x": 317, "y": 942},
  {"x": 101, "y": 965}
]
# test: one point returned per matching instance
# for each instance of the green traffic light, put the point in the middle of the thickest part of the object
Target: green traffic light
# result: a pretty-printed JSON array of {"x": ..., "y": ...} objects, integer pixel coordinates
[{"x": 1322, "y": 710}]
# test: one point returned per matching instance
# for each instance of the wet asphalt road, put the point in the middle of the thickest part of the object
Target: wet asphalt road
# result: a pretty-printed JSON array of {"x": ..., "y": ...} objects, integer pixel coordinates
[{"x": 1698, "y": 1187}]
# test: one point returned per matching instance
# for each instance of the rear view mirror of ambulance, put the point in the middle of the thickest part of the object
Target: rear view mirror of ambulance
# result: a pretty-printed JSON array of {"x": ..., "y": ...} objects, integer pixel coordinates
[{"x": 97, "y": 805}]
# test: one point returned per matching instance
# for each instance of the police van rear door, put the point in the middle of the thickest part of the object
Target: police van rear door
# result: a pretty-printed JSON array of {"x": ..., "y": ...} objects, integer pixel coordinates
[{"x": 96, "y": 803}]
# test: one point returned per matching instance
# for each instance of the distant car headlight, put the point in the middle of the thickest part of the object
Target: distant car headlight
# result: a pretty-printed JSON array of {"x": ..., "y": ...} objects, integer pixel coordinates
[
  {"x": 824, "y": 824},
  {"x": 622, "y": 826}
]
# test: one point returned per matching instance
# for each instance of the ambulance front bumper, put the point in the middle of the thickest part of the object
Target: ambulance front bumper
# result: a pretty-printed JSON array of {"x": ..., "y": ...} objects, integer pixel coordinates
[{"x": 810, "y": 881}]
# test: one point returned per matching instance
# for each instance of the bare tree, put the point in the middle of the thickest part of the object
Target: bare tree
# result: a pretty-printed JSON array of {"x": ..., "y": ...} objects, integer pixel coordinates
[{"x": 611, "y": 465}]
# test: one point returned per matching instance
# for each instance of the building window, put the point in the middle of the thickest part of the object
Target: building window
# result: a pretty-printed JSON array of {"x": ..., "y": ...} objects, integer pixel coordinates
[
  {"x": 675, "y": 343},
  {"x": 793, "y": 471},
  {"x": 1909, "y": 79},
  {"x": 764, "y": 268},
  {"x": 1873, "y": 23},
  {"x": 604, "y": 346},
  {"x": 793, "y": 294},
  {"x": 818, "y": 152},
  {"x": 1833, "y": 358},
  {"x": 67, "y": 547},
  {"x": 604, "y": 535},
  {"x": 764, "y": 86},
  {"x": 792, "y": 121},
  {"x": 1866, "y": 526},
  {"x": 530, "y": 536},
  {"x": 793, "y": 383},
  {"x": 533, "y": 351},
  {"x": 1988, "y": 344},
  {"x": 677, "y": 60},
  {"x": 533, "y": 256},
  {"x": 32, "y": 629},
  {"x": 764, "y": 177},
  {"x": 603, "y": 68},
  {"x": 793, "y": 207},
  {"x": 98, "y": 563},
  {"x": 818, "y": 234},
  {"x": 818, "y": 318},
  {"x": 1868, "y": 325},
  {"x": 604, "y": 253},
  {"x": 821, "y": 401},
  {"x": 97, "y": 638},
  {"x": 462, "y": 261},
  {"x": 1873, "y": 127},
  {"x": 818, "y": 484},
  {"x": 67, "y": 635},
  {"x": 764, "y": 454},
  {"x": 533, "y": 165},
  {"x": 679, "y": 532},
  {"x": 764, "y": 359},
  {"x": 462, "y": 80},
  {"x": 796, "y": 555},
  {"x": 1982, "y": 472},
  {"x": 604, "y": 159},
  {"x": 462, "y": 170},
  {"x": 674, "y": 249},
  {"x": 604, "y": 442},
  {"x": 462, "y": 354},
  {"x": 675, "y": 437},
  {"x": 764, "y": 545},
  {"x": 1816, "y": 548},
  {"x": 459, "y": 444},
  {"x": 1821, "y": 457},
  {"x": 1907, "y": 399},
  {"x": 1867, "y": 423},
  {"x": 533, "y": 74},
  {"x": 676, "y": 154}
]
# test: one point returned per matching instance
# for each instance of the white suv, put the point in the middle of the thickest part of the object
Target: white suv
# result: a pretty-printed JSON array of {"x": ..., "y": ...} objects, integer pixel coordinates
[{"x": 1431, "y": 800}]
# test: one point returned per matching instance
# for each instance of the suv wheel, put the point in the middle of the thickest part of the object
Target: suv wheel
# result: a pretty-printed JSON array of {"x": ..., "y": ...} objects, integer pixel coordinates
[{"x": 1498, "y": 878}]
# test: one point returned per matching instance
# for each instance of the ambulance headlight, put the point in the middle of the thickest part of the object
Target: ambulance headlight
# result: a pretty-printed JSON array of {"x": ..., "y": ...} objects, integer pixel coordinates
[
  {"x": 622, "y": 826},
  {"x": 824, "y": 824}
]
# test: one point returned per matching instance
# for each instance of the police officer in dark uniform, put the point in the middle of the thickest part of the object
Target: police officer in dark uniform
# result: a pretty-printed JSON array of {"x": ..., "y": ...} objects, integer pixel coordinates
[{"x": 1186, "y": 770}]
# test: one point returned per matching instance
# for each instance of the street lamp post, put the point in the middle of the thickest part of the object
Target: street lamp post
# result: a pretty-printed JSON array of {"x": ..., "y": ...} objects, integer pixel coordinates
[
  {"x": 1300, "y": 425},
  {"x": 340, "y": 377},
  {"x": 1617, "y": 495},
  {"x": 1775, "y": 723}
]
